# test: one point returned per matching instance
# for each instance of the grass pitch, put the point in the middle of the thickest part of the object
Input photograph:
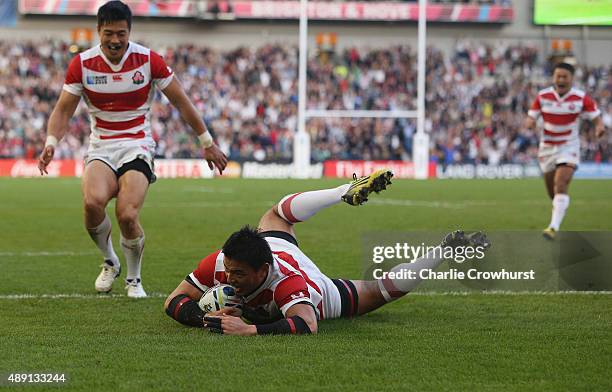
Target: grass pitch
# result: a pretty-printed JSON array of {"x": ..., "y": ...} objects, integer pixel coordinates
[{"x": 52, "y": 321}]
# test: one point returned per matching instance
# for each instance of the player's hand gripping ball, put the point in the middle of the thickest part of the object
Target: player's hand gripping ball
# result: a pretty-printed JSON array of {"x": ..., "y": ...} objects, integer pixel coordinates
[{"x": 221, "y": 296}]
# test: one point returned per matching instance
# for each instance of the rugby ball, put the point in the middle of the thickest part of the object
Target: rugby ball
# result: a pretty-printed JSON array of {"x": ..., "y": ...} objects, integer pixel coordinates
[{"x": 218, "y": 297}]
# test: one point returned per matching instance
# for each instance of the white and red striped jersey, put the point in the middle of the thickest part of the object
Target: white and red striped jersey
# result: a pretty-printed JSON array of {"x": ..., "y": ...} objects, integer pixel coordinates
[
  {"x": 118, "y": 96},
  {"x": 292, "y": 278},
  {"x": 561, "y": 115}
]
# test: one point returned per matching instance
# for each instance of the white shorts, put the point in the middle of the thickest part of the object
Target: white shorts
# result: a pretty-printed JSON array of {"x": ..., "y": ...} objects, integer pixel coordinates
[
  {"x": 550, "y": 157},
  {"x": 116, "y": 155}
]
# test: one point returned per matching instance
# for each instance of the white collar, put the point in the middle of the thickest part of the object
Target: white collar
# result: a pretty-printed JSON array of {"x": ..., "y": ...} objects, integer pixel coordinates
[
  {"x": 116, "y": 67},
  {"x": 562, "y": 98}
]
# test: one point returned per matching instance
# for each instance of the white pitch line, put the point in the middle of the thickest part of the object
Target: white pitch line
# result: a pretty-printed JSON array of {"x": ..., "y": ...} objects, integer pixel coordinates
[
  {"x": 419, "y": 294},
  {"x": 211, "y": 204},
  {"x": 46, "y": 254},
  {"x": 74, "y": 296},
  {"x": 458, "y": 204}
]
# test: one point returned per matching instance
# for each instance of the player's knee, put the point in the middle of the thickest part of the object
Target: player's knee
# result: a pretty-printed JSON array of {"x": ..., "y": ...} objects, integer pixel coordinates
[
  {"x": 272, "y": 213},
  {"x": 93, "y": 203},
  {"x": 127, "y": 215},
  {"x": 271, "y": 220}
]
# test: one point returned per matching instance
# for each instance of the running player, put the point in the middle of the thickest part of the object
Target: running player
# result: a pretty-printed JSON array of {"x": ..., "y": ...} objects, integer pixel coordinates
[
  {"x": 117, "y": 79},
  {"x": 561, "y": 107},
  {"x": 283, "y": 291}
]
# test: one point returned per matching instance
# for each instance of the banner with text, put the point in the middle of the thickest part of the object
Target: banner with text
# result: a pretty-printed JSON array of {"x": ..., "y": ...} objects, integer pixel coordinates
[
  {"x": 164, "y": 168},
  {"x": 504, "y": 171},
  {"x": 317, "y": 10},
  {"x": 345, "y": 169}
]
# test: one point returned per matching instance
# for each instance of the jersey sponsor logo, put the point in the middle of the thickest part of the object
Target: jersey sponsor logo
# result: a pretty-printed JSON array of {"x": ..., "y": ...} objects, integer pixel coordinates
[
  {"x": 95, "y": 79},
  {"x": 138, "y": 78},
  {"x": 117, "y": 78}
]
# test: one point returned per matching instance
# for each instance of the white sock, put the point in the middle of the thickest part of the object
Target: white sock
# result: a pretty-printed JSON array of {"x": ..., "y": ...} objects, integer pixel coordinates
[
  {"x": 393, "y": 289},
  {"x": 101, "y": 235},
  {"x": 298, "y": 207},
  {"x": 133, "y": 251},
  {"x": 560, "y": 203}
]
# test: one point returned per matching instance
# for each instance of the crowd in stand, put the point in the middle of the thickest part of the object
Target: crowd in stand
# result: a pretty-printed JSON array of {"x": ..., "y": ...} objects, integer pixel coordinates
[{"x": 476, "y": 102}]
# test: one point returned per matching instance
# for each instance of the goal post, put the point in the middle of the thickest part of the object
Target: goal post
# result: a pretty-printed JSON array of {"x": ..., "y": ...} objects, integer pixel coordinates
[
  {"x": 420, "y": 145},
  {"x": 301, "y": 144}
]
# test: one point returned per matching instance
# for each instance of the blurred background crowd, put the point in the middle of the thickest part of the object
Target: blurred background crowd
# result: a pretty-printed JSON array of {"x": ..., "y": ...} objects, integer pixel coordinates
[{"x": 476, "y": 102}]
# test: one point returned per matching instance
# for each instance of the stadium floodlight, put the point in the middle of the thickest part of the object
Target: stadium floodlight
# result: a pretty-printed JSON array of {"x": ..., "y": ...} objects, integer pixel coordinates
[{"x": 301, "y": 144}]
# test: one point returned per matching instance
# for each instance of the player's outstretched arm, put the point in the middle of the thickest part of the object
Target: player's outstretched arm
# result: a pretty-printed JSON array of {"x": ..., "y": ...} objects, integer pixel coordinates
[
  {"x": 58, "y": 124},
  {"x": 176, "y": 95},
  {"x": 299, "y": 319},
  {"x": 182, "y": 305}
]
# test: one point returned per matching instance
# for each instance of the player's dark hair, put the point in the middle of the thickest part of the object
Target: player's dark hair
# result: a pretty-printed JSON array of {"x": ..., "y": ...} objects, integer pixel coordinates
[
  {"x": 565, "y": 66},
  {"x": 249, "y": 247},
  {"x": 114, "y": 11}
]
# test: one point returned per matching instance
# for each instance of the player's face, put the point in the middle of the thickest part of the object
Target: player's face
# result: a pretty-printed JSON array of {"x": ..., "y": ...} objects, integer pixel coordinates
[
  {"x": 562, "y": 79},
  {"x": 244, "y": 278},
  {"x": 114, "y": 39}
]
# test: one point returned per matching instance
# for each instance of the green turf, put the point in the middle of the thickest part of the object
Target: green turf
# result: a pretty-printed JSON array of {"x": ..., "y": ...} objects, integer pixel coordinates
[{"x": 438, "y": 342}]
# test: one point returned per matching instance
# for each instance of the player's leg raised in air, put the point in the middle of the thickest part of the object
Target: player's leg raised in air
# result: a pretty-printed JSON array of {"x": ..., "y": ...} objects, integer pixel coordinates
[{"x": 299, "y": 207}]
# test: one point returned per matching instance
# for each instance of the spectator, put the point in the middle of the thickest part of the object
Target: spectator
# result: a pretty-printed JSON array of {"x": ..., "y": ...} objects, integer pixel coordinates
[{"x": 476, "y": 99}]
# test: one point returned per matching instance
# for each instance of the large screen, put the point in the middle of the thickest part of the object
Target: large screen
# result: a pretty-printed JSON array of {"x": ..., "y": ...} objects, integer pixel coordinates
[{"x": 572, "y": 12}]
